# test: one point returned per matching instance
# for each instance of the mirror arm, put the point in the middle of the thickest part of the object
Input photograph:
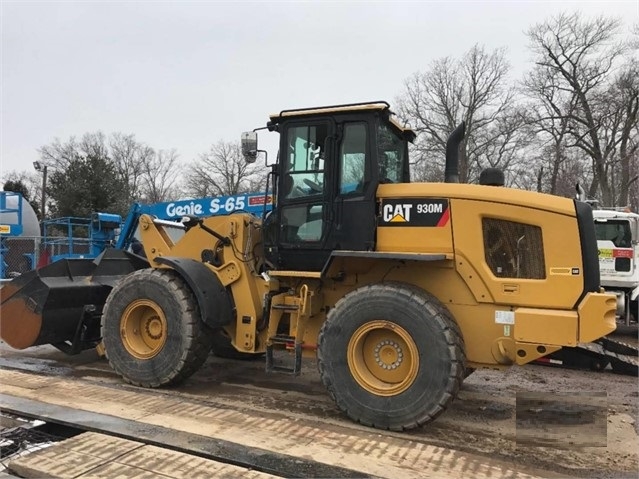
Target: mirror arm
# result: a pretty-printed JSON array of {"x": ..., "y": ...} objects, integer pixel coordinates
[{"x": 265, "y": 155}]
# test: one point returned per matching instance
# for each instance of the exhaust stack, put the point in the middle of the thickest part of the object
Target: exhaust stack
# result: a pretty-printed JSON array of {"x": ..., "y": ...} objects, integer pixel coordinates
[{"x": 451, "y": 173}]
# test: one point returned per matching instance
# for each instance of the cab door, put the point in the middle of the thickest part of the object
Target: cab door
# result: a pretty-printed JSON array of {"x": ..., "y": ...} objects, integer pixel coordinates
[
  {"x": 356, "y": 185},
  {"x": 297, "y": 232}
]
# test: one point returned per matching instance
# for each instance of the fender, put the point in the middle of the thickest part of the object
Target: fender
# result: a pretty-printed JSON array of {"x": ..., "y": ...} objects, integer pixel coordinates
[
  {"x": 634, "y": 293},
  {"x": 216, "y": 307}
]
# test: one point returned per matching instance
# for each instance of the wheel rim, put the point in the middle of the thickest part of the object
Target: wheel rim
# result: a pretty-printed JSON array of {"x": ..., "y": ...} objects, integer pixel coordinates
[
  {"x": 143, "y": 329},
  {"x": 383, "y": 358}
]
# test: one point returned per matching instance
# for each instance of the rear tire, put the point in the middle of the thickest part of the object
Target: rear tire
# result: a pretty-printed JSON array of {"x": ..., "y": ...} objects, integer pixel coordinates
[
  {"x": 391, "y": 356},
  {"x": 152, "y": 331}
]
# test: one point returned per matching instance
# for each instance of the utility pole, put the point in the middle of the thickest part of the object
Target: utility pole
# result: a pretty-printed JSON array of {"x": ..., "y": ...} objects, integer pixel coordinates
[{"x": 42, "y": 168}]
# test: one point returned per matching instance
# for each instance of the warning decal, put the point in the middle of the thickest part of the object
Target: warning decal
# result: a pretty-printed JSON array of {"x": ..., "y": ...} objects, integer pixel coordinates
[{"x": 606, "y": 253}]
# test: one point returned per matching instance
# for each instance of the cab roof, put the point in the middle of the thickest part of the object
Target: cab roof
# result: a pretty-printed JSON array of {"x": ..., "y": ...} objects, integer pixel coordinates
[{"x": 346, "y": 108}]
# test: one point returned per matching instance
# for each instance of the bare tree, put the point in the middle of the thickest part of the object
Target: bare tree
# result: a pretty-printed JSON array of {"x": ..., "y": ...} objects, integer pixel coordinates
[
  {"x": 130, "y": 158},
  {"x": 625, "y": 97},
  {"x": 578, "y": 58},
  {"x": 140, "y": 173},
  {"x": 473, "y": 89},
  {"x": 159, "y": 177},
  {"x": 58, "y": 154},
  {"x": 634, "y": 41},
  {"x": 223, "y": 171},
  {"x": 632, "y": 154},
  {"x": 547, "y": 116}
]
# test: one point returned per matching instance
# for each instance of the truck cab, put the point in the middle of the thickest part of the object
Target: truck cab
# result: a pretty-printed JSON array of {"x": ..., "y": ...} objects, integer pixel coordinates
[{"x": 618, "y": 245}]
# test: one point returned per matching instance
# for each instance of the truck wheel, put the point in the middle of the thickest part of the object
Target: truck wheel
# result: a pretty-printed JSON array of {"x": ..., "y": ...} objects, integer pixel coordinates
[
  {"x": 391, "y": 356},
  {"x": 151, "y": 329}
]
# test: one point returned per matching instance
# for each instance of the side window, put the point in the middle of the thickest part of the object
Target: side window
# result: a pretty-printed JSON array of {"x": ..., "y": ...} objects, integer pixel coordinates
[
  {"x": 513, "y": 250},
  {"x": 390, "y": 155},
  {"x": 304, "y": 163},
  {"x": 352, "y": 158}
]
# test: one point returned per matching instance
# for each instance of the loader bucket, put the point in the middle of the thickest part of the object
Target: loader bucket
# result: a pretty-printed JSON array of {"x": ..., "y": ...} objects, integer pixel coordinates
[{"x": 61, "y": 303}]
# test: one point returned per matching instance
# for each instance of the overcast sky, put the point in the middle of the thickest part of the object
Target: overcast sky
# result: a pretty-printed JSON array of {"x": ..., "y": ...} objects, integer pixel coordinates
[{"x": 184, "y": 75}]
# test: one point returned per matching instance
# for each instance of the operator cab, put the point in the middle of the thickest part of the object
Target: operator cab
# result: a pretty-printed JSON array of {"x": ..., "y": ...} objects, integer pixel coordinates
[{"x": 331, "y": 161}]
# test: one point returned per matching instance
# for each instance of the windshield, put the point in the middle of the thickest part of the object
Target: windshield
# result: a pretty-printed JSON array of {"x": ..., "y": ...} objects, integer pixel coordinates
[
  {"x": 617, "y": 231},
  {"x": 391, "y": 155}
]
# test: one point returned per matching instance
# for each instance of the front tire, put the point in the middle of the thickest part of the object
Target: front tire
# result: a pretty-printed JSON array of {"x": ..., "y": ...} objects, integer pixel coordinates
[
  {"x": 152, "y": 331},
  {"x": 391, "y": 356}
]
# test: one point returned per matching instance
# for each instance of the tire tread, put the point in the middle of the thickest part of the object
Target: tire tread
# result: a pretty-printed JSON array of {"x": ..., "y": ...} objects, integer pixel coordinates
[{"x": 198, "y": 336}]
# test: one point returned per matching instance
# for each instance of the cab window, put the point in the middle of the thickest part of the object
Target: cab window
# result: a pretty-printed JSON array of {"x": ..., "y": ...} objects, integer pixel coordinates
[
  {"x": 304, "y": 163},
  {"x": 616, "y": 231},
  {"x": 353, "y": 158},
  {"x": 391, "y": 155}
]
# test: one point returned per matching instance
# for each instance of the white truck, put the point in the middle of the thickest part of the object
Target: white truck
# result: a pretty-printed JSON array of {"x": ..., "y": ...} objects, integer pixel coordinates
[{"x": 618, "y": 242}]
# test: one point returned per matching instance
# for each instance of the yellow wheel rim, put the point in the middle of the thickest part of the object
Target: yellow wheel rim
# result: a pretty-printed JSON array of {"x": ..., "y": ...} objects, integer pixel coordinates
[
  {"x": 383, "y": 358},
  {"x": 143, "y": 329}
]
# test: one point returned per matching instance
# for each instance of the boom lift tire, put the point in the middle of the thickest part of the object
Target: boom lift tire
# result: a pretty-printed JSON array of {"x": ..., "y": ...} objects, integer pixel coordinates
[
  {"x": 391, "y": 340},
  {"x": 152, "y": 331}
]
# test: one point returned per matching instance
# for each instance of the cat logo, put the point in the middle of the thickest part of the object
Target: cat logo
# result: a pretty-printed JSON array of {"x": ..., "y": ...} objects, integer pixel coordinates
[{"x": 399, "y": 213}]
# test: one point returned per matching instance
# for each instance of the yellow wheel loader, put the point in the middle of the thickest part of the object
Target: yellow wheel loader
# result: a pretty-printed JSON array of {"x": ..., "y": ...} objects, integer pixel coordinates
[{"x": 398, "y": 289}]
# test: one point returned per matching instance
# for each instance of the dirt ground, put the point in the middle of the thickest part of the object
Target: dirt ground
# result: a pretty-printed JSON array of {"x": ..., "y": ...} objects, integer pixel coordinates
[
  {"x": 483, "y": 419},
  {"x": 588, "y": 429}
]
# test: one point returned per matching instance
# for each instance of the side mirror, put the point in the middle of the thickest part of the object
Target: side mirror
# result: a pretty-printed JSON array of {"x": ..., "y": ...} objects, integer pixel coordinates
[{"x": 249, "y": 146}]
